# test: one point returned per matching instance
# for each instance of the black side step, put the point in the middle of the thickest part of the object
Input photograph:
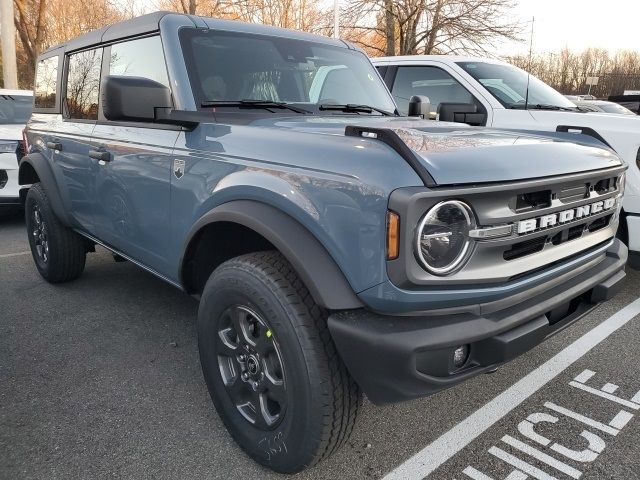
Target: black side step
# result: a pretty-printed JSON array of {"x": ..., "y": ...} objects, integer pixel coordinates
[{"x": 392, "y": 139}]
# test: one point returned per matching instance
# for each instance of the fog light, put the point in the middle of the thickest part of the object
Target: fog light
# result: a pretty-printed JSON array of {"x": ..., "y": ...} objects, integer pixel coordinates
[{"x": 460, "y": 356}]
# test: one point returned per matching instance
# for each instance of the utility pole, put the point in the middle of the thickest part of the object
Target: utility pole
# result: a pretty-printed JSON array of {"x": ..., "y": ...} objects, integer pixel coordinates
[
  {"x": 336, "y": 19},
  {"x": 8, "y": 40}
]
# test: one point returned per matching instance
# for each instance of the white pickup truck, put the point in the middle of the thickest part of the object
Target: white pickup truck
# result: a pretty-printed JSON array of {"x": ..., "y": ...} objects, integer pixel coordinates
[{"x": 481, "y": 91}]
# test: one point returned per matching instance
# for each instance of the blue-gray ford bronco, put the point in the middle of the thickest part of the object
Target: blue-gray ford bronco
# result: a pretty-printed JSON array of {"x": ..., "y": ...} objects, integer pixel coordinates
[{"x": 335, "y": 247}]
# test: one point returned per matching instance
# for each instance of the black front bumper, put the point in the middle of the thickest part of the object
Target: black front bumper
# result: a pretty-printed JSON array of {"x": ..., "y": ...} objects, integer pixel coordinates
[{"x": 400, "y": 358}]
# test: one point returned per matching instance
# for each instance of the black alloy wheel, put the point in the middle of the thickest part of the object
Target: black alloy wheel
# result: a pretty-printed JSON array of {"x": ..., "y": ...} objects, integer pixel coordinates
[
  {"x": 39, "y": 235},
  {"x": 251, "y": 367}
]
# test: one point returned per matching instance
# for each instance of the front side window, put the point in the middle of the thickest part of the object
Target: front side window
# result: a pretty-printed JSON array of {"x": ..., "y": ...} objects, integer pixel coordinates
[
  {"x": 432, "y": 82},
  {"x": 229, "y": 66},
  {"x": 509, "y": 86},
  {"x": 15, "y": 109},
  {"x": 83, "y": 85},
  {"x": 46, "y": 83},
  {"x": 139, "y": 58}
]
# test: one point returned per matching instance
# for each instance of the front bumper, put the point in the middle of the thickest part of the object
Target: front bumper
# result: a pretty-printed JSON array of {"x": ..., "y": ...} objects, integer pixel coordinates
[
  {"x": 9, "y": 188},
  {"x": 400, "y": 358}
]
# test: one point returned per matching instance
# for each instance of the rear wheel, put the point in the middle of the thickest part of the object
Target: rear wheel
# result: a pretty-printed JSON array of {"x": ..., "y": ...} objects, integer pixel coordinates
[
  {"x": 59, "y": 252},
  {"x": 270, "y": 364}
]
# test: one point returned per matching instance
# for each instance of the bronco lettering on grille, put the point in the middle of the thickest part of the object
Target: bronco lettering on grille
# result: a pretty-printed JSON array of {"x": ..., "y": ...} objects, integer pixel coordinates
[{"x": 552, "y": 219}]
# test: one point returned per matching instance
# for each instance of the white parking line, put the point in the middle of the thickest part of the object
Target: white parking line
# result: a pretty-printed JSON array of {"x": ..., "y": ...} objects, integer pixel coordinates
[
  {"x": 17, "y": 254},
  {"x": 442, "y": 449}
]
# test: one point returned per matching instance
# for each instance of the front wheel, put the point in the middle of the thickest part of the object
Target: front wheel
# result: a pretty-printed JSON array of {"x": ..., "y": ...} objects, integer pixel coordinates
[{"x": 270, "y": 364}]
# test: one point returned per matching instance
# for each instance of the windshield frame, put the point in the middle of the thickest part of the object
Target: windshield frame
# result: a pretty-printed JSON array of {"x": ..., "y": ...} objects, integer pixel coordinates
[
  {"x": 384, "y": 101},
  {"x": 537, "y": 88}
]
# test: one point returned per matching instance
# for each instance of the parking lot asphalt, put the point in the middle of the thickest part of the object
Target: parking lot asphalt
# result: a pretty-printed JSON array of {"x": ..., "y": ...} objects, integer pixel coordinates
[{"x": 100, "y": 378}]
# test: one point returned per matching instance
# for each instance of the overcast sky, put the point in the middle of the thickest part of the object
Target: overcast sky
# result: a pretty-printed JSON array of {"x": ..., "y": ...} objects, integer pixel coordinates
[{"x": 579, "y": 24}]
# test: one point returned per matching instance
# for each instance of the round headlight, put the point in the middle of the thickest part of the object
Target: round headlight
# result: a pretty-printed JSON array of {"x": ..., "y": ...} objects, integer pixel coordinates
[{"x": 443, "y": 243}]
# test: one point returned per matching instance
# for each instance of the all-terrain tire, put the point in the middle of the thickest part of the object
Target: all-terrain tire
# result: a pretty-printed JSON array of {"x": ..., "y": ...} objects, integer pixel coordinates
[
  {"x": 59, "y": 252},
  {"x": 322, "y": 399}
]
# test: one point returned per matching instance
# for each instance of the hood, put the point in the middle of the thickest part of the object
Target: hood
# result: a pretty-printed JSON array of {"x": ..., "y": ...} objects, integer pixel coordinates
[
  {"x": 596, "y": 120},
  {"x": 11, "y": 132},
  {"x": 457, "y": 154}
]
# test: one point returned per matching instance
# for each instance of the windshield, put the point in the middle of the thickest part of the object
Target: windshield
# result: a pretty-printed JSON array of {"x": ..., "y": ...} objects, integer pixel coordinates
[
  {"x": 229, "y": 66},
  {"x": 615, "y": 108},
  {"x": 508, "y": 85},
  {"x": 15, "y": 109}
]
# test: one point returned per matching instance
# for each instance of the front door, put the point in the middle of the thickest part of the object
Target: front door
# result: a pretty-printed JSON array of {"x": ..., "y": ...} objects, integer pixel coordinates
[{"x": 134, "y": 177}]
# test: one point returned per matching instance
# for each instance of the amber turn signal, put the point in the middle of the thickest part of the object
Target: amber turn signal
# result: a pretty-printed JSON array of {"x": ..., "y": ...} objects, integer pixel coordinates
[{"x": 393, "y": 235}]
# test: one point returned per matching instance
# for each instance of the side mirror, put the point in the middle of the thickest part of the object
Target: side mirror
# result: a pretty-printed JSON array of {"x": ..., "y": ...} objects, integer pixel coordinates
[
  {"x": 419, "y": 106},
  {"x": 133, "y": 99},
  {"x": 461, "y": 113}
]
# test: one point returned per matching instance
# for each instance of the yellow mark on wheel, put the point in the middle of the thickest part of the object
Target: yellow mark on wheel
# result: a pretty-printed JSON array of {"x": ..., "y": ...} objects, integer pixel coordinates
[{"x": 269, "y": 333}]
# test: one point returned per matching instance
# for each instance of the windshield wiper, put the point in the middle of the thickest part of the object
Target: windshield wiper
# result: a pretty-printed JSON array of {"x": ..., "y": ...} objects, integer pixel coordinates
[
  {"x": 351, "y": 107},
  {"x": 541, "y": 106},
  {"x": 249, "y": 103}
]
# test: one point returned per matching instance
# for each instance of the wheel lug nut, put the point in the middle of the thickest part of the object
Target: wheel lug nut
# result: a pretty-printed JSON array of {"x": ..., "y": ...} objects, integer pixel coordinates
[
  {"x": 255, "y": 385},
  {"x": 245, "y": 375},
  {"x": 243, "y": 358}
]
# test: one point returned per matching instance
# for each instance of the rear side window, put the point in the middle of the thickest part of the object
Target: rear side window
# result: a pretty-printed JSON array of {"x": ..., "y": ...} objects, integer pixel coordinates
[
  {"x": 46, "y": 83},
  {"x": 83, "y": 85},
  {"x": 139, "y": 58}
]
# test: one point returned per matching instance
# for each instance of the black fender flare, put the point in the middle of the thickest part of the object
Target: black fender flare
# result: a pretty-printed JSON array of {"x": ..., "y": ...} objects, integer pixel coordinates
[
  {"x": 47, "y": 180},
  {"x": 315, "y": 266}
]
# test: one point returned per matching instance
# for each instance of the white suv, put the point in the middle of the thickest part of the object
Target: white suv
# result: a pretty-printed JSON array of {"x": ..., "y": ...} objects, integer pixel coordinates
[
  {"x": 15, "y": 110},
  {"x": 482, "y": 91}
]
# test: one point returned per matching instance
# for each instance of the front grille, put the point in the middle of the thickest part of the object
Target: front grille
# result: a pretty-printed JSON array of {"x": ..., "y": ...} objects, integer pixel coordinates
[
  {"x": 573, "y": 194},
  {"x": 566, "y": 235},
  {"x": 599, "y": 224},
  {"x": 526, "y": 202},
  {"x": 3, "y": 178},
  {"x": 535, "y": 245},
  {"x": 528, "y": 225},
  {"x": 605, "y": 186},
  {"x": 525, "y": 248},
  {"x": 541, "y": 199}
]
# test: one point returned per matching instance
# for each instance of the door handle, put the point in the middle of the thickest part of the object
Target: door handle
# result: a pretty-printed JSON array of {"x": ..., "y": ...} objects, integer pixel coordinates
[
  {"x": 54, "y": 145},
  {"x": 101, "y": 155}
]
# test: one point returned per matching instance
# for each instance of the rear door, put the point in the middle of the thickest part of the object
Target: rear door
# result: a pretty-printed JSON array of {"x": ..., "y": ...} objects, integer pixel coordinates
[
  {"x": 133, "y": 180},
  {"x": 71, "y": 144}
]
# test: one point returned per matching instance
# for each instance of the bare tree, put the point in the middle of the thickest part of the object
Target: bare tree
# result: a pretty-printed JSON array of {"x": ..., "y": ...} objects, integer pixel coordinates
[
  {"x": 210, "y": 8},
  {"x": 30, "y": 24},
  {"x": 298, "y": 14},
  {"x": 567, "y": 71},
  {"x": 43, "y": 23},
  {"x": 430, "y": 26}
]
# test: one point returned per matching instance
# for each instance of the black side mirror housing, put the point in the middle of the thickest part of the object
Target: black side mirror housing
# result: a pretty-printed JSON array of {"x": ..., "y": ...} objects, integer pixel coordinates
[
  {"x": 419, "y": 106},
  {"x": 461, "y": 113},
  {"x": 133, "y": 99}
]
